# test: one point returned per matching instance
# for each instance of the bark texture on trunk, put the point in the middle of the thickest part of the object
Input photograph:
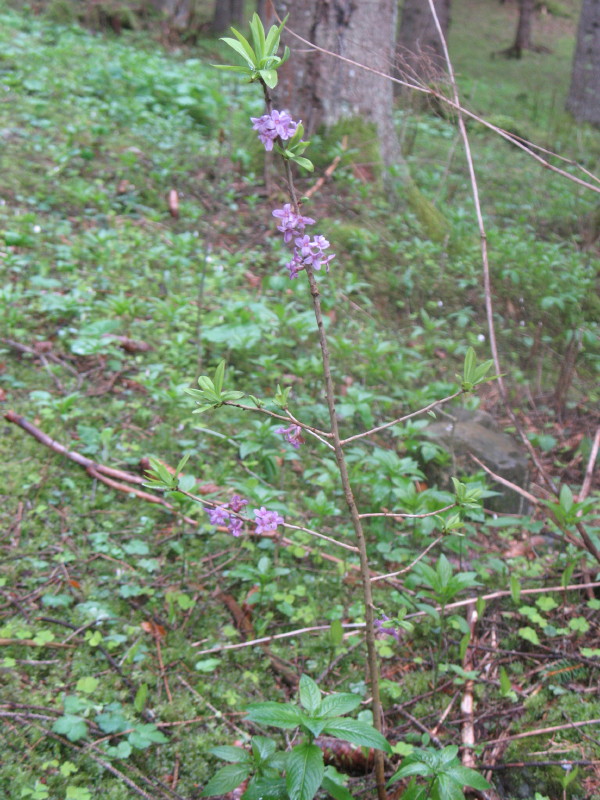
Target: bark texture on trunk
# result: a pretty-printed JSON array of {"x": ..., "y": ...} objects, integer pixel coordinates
[
  {"x": 584, "y": 93},
  {"x": 419, "y": 54},
  {"x": 322, "y": 90},
  {"x": 226, "y": 14}
]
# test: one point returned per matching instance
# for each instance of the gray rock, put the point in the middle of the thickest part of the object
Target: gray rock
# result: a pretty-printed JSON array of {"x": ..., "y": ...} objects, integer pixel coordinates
[{"x": 462, "y": 433}]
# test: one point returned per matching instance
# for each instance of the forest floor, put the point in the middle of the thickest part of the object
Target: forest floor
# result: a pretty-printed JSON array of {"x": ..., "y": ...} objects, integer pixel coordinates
[{"x": 137, "y": 251}]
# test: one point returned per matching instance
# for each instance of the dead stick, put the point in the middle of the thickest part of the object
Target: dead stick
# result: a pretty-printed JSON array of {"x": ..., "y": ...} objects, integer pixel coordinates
[
  {"x": 540, "y": 731},
  {"x": 587, "y": 481}
]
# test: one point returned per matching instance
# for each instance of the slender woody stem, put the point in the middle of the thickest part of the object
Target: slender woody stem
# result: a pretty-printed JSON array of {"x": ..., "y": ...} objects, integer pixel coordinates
[{"x": 347, "y": 488}]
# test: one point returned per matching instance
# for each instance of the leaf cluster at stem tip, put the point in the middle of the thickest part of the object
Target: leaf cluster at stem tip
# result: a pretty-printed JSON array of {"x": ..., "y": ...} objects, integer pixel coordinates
[{"x": 262, "y": 61}]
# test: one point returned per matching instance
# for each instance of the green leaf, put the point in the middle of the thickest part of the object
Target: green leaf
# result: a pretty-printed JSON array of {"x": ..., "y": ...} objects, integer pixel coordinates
[
  {"x": 409, "y": 767},
  {"x": 71, "y": 726},
  {"x": 304, "y": 771},
  {"x": 272, "y": 41},
  {"x": 336, "y": 632},
  {"x": 515, "y": 589},
  {"x": 467, "y": 777},
  {"x": 145, "y": 735},
  {"x": 87, "y": 685},
  {"x": 140, "y": 698},
  {"x": 226, "y": 779},
  {"x": 566, "y": 498},
  {"x": 265, "y": 789},
  {"x": 258, "y": 36},
  {"x": 279, "y": 715},
  {"x": 446, "y": 788},
  {"x": 241, "y": 46},
  {"x": 310, "y": 694},
  {"x": 303, "y": 162},
  {"x": 529, "y": 634},
  {"x": 469, "y": 365},
  {"x": 263, "y": 747},
  {"x": 336, "y": 790},
  {"x": 230, "y": 753},
  {"x": 357, "y": 732},
  {"x": 269, "y": 76},
  {"x": 219, "y": 377},
  {"x": 336, "y": 705}
]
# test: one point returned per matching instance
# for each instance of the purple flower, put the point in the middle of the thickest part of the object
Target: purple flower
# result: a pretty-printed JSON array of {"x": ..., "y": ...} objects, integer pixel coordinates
[
  {"x": 293, "y": 435},
  {"x": 266, "y": 521},
  {"x": 284, "y": 124},
  {"x": 273, "y": 125},
  {"x": 235, "y": 526},
  {"x": 237, "y": 503},
  {"x": 290, "y": 223},
  {"x": 218, "y": 515},
  {"x": 294, "y": 266},
  {"x": 388, "y": 631}
]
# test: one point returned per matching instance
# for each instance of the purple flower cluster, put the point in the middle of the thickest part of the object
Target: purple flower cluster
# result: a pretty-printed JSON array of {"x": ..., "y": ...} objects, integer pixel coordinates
[
  {"x": 307, "y": 251},
  {"x": 380, "y": 627},
  {"x": 267, "y": 521},
  {"x": 293, "y": 435},
  {"x": 221, "y": 516},
  {"x": 273, "y": 125}
]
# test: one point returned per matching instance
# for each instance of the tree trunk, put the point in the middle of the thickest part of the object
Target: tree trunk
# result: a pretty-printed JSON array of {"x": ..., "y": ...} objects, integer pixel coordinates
[
  {"x": 226, "y": 14},
  {"x": 419, "y": 53},
  {"x": 321, "y": 89},
  {"x": 584, "y": 93}
]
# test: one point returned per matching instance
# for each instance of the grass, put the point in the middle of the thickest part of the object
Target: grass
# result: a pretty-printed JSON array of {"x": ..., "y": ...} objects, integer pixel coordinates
[{"x": 110, "y": 306}]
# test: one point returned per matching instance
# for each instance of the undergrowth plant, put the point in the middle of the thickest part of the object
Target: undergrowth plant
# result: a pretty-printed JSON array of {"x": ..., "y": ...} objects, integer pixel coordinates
[{"x": 303, "y": 765}]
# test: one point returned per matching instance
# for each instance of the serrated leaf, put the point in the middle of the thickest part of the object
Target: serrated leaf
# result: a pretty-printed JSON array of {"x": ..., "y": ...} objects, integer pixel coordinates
[
  {"x": 357, "y": 732},
  {"x": 230, "y": 753},
  {"x": 263, "y": 747},
  {"x": 336, "y": 705},
  {"x": 304, "y": 771},
  {"x": 446, "y": 788},
  {"x": 145, "y": 735},
  {"x": 280, "y": 715},
  {"x": 226, "y": 779},
  {"x": 310, "y": 694},
  {"x": 71, "y": 726}
]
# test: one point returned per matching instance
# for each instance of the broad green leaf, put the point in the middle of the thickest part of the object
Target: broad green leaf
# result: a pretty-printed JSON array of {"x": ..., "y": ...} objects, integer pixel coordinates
[
  {"x": 336, "y": 705},
  {"x": 336, "y": 632},
  {"x": 304, "y": 162},
  {"x": 529, "y": 634},
  {"x": 112, "y": 722},
  {"x": 357, "y": 732},
  {"x": 444, "y": 570},
  {"x": 265, "y": 789},
  {"x": 241, "y": 46},
  {"x": 304, "y": 771},
  {"x": 408, "y": 768},
  {"x": 87, "y": 685},
  {"x": 445, "y": 788},
  {"x": 280, "y": 715},
  {"x": 263, "y": 747},
  {"x": 468, "y": 777},
  {"x": 566, "y": 497},
  {"x": 269, "y": 76},
  {"x": 145, "y": 735},
  {"x": 469, "y": 365},
  {"x": 310, "y": 694},
  {"x": 336, "y": 790},
  {"x": 71, "y": 726},
  {"x": 226, "y": 779},
  {"x": 230, "y": 753}
]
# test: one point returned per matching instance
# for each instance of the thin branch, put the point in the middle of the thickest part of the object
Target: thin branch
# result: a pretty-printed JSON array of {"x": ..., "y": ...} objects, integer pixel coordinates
[
  {"x": 408, "y": 516},
  {"x": 284, "y": 418},
  {"x": 402, "y": 419},
  {"x": 524, "y": 145},
  {"x": 541, "y": 731},
  {"x": 350, "y": 547},
  {"x": 288, "y": 635},
  {"x": 589, "y": 472},
  {"x": 412, "y": 563}
]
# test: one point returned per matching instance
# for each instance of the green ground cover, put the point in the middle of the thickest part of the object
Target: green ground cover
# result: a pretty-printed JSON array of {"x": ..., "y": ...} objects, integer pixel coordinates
[{"x": 112, "y": 303}]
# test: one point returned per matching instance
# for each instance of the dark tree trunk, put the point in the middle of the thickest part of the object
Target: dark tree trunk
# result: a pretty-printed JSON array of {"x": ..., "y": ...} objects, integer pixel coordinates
[
  {"x": 321, "y": 89},
  {"x": 584, "y": 93},
  {"x": 523, "y": 34},
  {"x": 226, "y": 14},
  {"x": 419, "y": 54}
]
